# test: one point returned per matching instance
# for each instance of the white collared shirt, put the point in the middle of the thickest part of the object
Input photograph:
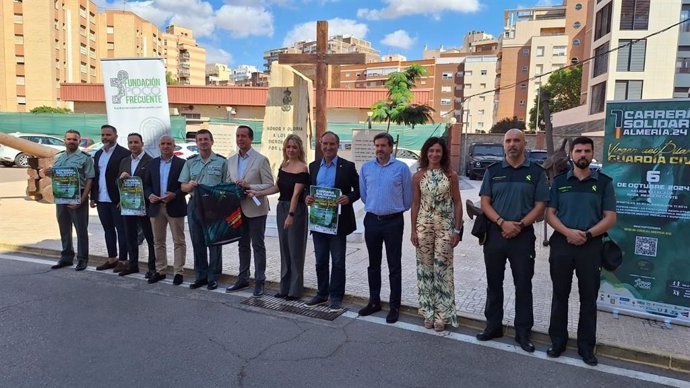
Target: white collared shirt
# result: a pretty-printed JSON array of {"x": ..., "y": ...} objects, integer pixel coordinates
[{"x": 103, "y": 195}]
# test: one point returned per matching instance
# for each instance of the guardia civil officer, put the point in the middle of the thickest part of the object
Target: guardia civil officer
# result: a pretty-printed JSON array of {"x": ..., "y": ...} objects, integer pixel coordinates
[
  {"x": 513, "y": 195},
  {"x": 581, "y": 209}
]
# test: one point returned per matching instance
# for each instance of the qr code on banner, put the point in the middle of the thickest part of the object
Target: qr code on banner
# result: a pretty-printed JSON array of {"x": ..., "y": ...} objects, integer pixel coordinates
[{"x": 645, "y": 246}]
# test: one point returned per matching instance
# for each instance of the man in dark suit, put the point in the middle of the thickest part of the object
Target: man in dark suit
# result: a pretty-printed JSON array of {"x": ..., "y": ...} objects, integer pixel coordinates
[
  {"x": 168, "y": 207},
  {"x": 136, "y": 165},
  {"x": 333, "y": 171},
  {"x": 105, "y": 197}
]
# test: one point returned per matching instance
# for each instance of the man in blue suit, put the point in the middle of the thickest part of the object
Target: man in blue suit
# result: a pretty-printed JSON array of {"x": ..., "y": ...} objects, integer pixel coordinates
[{"x": 168, "y": 208}]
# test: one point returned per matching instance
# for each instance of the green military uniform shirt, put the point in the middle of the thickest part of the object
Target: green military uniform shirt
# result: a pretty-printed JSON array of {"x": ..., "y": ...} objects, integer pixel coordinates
[
  {"x": 79, "y": 160},
  {"x": 581, "y": 204},
  {"x": 513, "y": 191},
  {"x": 210, "y": 172}
]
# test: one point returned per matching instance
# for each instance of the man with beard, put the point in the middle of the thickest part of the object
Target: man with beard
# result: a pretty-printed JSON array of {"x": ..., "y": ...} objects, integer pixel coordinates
[
  {"x": 77, "y": 214},
  {"x": 105, "y": 197},
  {"x": 581, "y": 209},
  {"x": 513, "y": 194}
]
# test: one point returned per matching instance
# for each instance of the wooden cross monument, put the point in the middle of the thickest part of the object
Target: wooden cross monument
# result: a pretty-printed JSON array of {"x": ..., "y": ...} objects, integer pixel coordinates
[{"x": 322, "y": 59}]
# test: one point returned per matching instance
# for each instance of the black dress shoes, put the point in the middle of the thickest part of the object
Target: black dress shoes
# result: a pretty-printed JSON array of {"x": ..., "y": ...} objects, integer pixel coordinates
[
  {"x": 212, "y": 285},
  {"x": 106, "y": 265},
  {"x": 554, "y": 352},
  {"x": 237, "y": 286},
  {"x": 258, "y": 290},
  {"x": 148, "y": 274},
  {"x": 156, "y": 277},
  {"x": 128, "y": 271},
  {"x": 525, "y": 344},
  {"x": 370, "y": 309},
  {"x": 177, "y": 280},
  {"x": 81, "y": 265},
  {"x": 393, "y": 315},
  {"x": 61, "y": 264},
  {"x": 198, "y": 284},
  {"x": 488, "y": 335},
  {"x": 588, "y": 357},
  {"x": 279, "y": 296}
]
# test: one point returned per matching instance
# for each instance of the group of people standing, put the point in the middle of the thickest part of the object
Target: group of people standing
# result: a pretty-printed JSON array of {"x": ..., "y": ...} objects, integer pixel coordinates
[{"x": 514, "y": 193}]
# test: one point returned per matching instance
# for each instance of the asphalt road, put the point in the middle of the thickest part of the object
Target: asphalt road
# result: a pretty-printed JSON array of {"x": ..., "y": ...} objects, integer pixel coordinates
[{"x": 67, "y": 328}]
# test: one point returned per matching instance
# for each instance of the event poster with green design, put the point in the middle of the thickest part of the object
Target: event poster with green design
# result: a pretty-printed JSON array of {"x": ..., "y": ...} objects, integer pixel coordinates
[
  {"x": 65, "y": 183},
  {"x": 132, "y": 197},
  {"x": 324, "y": 212},
  {"x": 647, "y": 153}
]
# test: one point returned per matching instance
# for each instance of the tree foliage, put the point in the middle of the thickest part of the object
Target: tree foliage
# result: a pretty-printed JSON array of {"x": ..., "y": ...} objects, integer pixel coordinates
[
  {"x": 170, "y": 80},
  {"x": 398, "y": 108},
  {"x": 507, "y": 123},
  {"x": 564, "y": 85},
  {"x": 49, "y": 109}
]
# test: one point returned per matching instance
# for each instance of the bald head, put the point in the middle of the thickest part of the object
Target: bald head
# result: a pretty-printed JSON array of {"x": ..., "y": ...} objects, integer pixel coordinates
[{"x": 514, "y": 146}]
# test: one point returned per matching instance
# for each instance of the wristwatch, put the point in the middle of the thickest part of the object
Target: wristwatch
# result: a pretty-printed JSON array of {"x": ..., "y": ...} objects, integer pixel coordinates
[
  {"x": 457, "y": 231},
  {"x": 588, "y": 234}
]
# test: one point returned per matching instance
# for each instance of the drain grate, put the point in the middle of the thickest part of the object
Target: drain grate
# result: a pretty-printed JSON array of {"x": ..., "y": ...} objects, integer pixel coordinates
[{"x": 294, "y": 307}]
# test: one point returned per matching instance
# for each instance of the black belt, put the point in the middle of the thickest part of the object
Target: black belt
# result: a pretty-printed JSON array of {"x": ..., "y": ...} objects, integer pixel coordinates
[{"x": 386, "y": 216}]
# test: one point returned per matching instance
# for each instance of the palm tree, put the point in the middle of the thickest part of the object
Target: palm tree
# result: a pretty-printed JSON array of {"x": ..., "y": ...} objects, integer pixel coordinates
[{"x": 399, "y": 107}]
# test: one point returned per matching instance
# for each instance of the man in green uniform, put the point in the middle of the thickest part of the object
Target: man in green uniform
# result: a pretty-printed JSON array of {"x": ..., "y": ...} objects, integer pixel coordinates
[
  {"x": 513, "y": 194},
  {"x": 77, "y": 214},
  {"x": 581, "y": 209},
  {"x": 208, "y": 169}
]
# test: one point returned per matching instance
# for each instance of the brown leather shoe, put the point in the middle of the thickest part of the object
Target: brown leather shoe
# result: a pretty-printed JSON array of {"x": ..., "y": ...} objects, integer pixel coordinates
[
  {"x": 121, "y": 266},
  {"x": 107, "y": 265}
]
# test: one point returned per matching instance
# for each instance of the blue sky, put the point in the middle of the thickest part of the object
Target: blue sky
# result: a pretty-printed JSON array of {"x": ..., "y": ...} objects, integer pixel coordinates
[{"x": 237, "y": 32}]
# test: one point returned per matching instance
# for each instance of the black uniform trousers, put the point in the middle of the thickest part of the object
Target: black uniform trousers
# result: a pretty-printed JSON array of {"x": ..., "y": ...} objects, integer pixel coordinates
[
  {"x": 132, "y": 225},
  {"x": 519, "y": 251},
  {"x": 586, "y": 261}
]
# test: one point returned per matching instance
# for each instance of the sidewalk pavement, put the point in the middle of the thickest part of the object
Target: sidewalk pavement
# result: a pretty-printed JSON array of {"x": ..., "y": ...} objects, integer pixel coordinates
[{"x": 31, "y": 227}]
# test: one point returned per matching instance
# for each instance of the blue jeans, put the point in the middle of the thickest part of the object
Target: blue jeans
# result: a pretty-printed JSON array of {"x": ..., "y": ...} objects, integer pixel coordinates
[
  {"x": 326, "y": 245},
  {"x": 113, "y": 228},
  {"x": 203, "y": 268}
]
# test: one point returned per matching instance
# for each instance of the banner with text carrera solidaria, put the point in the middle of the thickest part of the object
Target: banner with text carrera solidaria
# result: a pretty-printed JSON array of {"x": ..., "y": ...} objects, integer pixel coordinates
[
  {"x": 136, "y": 99},
  {"x": 647, "y": 153}
]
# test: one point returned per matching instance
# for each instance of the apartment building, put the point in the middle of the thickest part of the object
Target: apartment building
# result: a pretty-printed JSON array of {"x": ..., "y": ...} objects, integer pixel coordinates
[
  {"x": 653, "y": 67},
  {"x": 44, "y": 46},
  {"x": 535, "y": 41},
  {"x": 218, "y": 74},
  {"x": 337, "y": 44}
]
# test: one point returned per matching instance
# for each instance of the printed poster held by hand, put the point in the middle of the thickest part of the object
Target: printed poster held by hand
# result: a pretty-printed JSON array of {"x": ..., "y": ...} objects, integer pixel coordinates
[
  {"x": 65, "y": 183},
  {"x": 132, "y": 197},
  {"x": 324, "y": 212}
]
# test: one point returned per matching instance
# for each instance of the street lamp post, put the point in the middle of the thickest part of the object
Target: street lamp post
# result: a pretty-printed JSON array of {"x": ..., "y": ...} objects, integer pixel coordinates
[{"x": 369, "y": 114}]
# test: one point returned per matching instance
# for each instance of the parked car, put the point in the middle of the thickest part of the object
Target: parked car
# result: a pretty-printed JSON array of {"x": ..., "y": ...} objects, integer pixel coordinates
[
  {"x": 480, "y": 156},
  {"x": 93, "y": 148},
  {"x": 186, "y": 150},
  {"x": 86, "y": 142},
  {"x": 10, "y": 156},
  {"x": 537, "y": 156},
  {"x": 409, "y": 157}
]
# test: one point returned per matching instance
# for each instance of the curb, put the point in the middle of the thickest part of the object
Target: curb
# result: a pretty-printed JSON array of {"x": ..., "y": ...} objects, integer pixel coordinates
[{"x": 631, "y": 354}]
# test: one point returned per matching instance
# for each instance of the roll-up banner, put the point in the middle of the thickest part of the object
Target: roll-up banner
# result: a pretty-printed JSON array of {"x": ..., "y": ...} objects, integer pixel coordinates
[{"x": 136, "y": 99}]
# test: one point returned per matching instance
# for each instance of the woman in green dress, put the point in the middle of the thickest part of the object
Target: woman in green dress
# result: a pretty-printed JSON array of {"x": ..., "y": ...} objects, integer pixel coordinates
[{"x": 436, "y": 223}]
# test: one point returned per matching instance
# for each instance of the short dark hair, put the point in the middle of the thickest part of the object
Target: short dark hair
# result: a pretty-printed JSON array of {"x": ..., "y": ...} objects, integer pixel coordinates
[
  {"x": 581, "y": 140},
  {"x": 204, "y": 132},
  {"x": 74, "y": 131},
  {"x": 250, "y": 131},
  {"x": 337, "y": 138},
  {"x": 137, "y": 135},
  {"x": 385, "y": 135},
  {"x": 108, "y": 126}
]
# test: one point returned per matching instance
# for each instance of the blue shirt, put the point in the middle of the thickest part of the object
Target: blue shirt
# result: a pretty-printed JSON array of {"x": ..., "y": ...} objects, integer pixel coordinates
[
  {"x": 326, "y": 175},
  {"x": 242, "y": 163},
  {"x": 385, "y": 189},
  {"x": 165, "y": 174}
]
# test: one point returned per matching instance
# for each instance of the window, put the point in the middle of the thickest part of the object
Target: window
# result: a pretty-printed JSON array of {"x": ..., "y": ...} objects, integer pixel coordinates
[
  {"x": 538, "y": 69},
  {"x": 21, "y": 80},
  {"x": 468, "y": 73},
  {"x": 21, "y": 100},
  {"x": 445, "y": 101},
  {"x": 468, "y": 86},
  {"x": 482, "y": 98},
  {"x": 598, "y": 98},
  {"x": 540, "y": 51},
  {"x": 522, "y": 102},
  {"x": 82, "y": 50},
  {"x": 446, "y": 89},
  {"x": 681, "y": 92},
  {"x": 111, "y": 46},
  {"x": 480, "y": 124},
  {"x": 447, "y": 76},
  {"x": 18, "y": 18},
  {"x": 19, "y": 39},
  {"x": 683, "y": 60},
  {"x": 578, "y": 6},
  {"x": 602, "y": 25},
  {"x": 20, "y": 59},
  {"x": 634, "y": 14},
  {"x": 576, "y": 42},
  {"x": 109, "y": 30},
  {"x": 631, "y": 56},
  {"x": 628, "y": 90},
  {"x": 347, "y": 75},
  {"x": 577, "y": 25},
  {"x": 685, "y": 15},
  {"x": 524, "y": 69},
  {"x": 483, "y": 72},
  {"x": 480, "y": 112},
  {"x": 601, "y": 60},
  {"x": 482, "y": 86},
  {"x": 559, "y": 51},
  {"x": 525, "y": 52}
]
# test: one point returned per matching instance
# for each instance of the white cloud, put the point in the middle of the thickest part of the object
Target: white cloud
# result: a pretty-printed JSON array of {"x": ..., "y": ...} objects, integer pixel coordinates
[
  {"x": 218, "y": 55},
  {"x": 399, "y": 39},
  {"x": 434, "y": 8},
  {"x": 243, "y": 21},
  {"x": 337, "y": 26}
]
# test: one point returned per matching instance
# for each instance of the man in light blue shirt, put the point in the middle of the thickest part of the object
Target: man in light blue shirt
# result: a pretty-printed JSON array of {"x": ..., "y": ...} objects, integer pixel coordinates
[{"x": 385, "y": 186}]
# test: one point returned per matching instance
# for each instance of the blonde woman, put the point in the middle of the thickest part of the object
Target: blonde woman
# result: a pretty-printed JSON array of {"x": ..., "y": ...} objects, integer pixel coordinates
[{"x": 293, "y": 177}]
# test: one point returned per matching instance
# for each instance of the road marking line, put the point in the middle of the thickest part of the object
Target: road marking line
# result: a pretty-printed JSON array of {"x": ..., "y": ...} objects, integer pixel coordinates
[{"x": 576, "y": 362}]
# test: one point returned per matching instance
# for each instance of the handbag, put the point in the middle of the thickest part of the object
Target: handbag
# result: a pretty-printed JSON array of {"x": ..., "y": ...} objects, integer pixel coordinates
[
  {"x": 611, "y": 254},
  {"x": 480, "y": 227}
]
